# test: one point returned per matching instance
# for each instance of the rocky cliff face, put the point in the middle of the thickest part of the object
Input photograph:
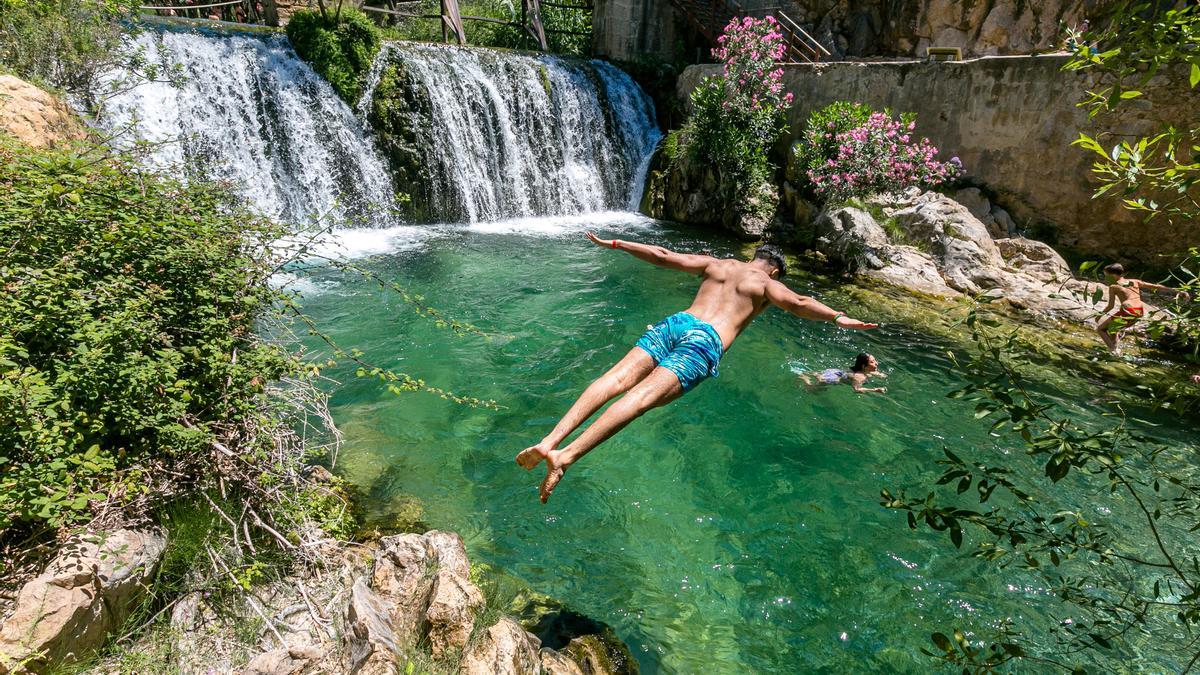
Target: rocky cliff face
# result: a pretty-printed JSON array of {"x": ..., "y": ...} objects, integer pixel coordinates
[{"x": 858, "y": 28}]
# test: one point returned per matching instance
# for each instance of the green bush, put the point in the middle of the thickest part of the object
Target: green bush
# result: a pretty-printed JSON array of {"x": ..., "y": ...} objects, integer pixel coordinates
[
  {"x": 127, "y": 344},
  {"x": 62, "y": 44},
  {"x": 340, "y": 47},
  {"x": 818, "y": 143}
]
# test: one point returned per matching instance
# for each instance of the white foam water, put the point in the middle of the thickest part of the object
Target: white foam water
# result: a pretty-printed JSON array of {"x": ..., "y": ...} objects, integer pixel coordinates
[
  {"x": 251, "y": 111},
  {"x": 518, "y": 135}
]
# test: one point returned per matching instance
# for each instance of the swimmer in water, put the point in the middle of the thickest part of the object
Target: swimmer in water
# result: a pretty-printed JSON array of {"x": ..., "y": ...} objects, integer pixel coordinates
[{"x": 865, "y": 366}]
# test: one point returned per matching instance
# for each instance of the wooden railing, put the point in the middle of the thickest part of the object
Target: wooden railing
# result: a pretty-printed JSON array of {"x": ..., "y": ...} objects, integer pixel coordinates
[
  {"x": 449, "y": 16},
  {"x": 452, "y": 20},
  {"x": 709, "y": 18},
  {"x": 238, "y": 11}
]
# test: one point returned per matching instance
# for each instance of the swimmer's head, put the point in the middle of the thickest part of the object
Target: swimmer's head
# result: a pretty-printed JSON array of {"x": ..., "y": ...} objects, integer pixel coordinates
[
  {"x": 865, "y": 363},
  {"x": 774, "y": 256}
]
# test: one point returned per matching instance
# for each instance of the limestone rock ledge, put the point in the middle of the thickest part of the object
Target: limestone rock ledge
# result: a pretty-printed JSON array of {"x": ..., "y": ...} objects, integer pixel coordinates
[
  {"x": 35, "y": 117},
  {"x": 86, "y": 592},
  {"x": 934, "y": 245}
]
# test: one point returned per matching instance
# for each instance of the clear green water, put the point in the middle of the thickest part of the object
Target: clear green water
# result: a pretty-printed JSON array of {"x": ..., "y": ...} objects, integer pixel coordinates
[{"x": 736, "y": 530}]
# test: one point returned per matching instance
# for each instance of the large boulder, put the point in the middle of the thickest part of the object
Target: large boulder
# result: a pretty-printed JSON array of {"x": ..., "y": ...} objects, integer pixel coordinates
[
  {"x": 425, "y": 581},
  {"x": 1035, "y": 258},
  {"x": 35, "y": 116},
  {"x": 964, "y": 249},
  {"x": 504, "y": 649},
  {"x": 852, "y": 237},
  {"x": 85, "y": 593},
  {"x": 911, "y": 268},
  {"x": 931, "y": 244}
]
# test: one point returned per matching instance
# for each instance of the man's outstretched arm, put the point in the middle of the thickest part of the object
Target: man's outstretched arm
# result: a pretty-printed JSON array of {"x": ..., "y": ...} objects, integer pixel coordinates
[
  {"x": 657, "y": 255},
  {"x": 809, "y": 308}
]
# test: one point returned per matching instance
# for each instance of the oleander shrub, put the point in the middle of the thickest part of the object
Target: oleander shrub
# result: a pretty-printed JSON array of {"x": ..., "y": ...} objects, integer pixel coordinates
[
  {"x": 844, "y": 154},
  {"x": 737, "y": 116},
  {"x": 127, "y": 334},
  {"x": 340, "y": 46},
  {"x": 819, "y": 143}
]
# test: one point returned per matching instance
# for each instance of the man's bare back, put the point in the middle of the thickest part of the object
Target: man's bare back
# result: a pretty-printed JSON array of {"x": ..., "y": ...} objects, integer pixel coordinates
[
  {"x": 731, "y": 295},
  {"x": 677, "y": 353}
]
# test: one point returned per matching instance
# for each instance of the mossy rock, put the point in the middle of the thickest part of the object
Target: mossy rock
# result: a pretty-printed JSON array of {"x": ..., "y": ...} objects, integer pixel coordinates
[
  {"x": 601, "y": 654},
  {"x": 399, "y": 108},
  {"x": 340, "y": 46}
]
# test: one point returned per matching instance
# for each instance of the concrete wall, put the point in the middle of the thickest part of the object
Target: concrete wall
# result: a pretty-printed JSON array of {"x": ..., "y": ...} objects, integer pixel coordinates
[
  {"x": 629, "y": 30},
  {"x": 1012, "y": 120}
]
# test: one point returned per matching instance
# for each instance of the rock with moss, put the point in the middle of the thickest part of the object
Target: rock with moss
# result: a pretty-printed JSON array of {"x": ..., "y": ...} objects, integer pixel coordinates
[
  {"x": 399, "y": 109},
  {"x": 931, "y": 244},
  {"x": 681, "y": 188}
]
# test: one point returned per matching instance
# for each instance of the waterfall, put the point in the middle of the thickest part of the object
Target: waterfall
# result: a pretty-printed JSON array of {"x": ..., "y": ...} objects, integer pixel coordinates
[
  {"x": 249, "y": 110},
  {"x": 467, "y": 135},
  {"x": 503, "y": 135}
]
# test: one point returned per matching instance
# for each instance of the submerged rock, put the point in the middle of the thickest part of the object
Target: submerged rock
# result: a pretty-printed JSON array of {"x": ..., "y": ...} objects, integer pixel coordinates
[{"x": 85, "y": 593}]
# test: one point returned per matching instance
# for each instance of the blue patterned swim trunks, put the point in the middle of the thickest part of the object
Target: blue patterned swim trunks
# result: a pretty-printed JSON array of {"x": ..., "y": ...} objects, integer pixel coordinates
[{"x": 684, "y": 345}]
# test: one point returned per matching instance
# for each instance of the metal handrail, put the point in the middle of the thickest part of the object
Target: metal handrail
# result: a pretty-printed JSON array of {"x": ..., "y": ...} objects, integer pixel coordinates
[
  {"x": 809, "y": 38},
  {"x": 707, "y": 15}
]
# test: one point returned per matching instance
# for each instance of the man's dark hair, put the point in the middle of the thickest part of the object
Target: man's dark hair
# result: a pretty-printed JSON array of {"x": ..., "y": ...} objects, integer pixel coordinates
[
  {"x": 1116, "y": 269},
  {"x": 772, "y": 255},
  {"x": 860, "y": 362}
]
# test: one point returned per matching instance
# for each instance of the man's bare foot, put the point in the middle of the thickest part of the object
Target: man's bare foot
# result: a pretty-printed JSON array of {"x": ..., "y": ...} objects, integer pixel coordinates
[
  {"x": 533, "y": 455},
  {"x": 555, "y": 468}
]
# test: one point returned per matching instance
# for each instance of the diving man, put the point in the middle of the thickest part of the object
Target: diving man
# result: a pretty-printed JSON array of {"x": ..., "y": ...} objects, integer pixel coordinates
[{"x": 678, "y": 352}]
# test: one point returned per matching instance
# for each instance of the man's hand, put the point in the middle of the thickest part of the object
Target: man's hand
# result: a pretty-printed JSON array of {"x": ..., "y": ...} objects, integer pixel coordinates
[
  {"x": 606, "y": 243},
  {"x": 854, "y": 324}
]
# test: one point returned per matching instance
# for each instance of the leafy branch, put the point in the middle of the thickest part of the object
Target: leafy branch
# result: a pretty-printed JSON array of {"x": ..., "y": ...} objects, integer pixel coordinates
[{"x": 1116, "y": 579}]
